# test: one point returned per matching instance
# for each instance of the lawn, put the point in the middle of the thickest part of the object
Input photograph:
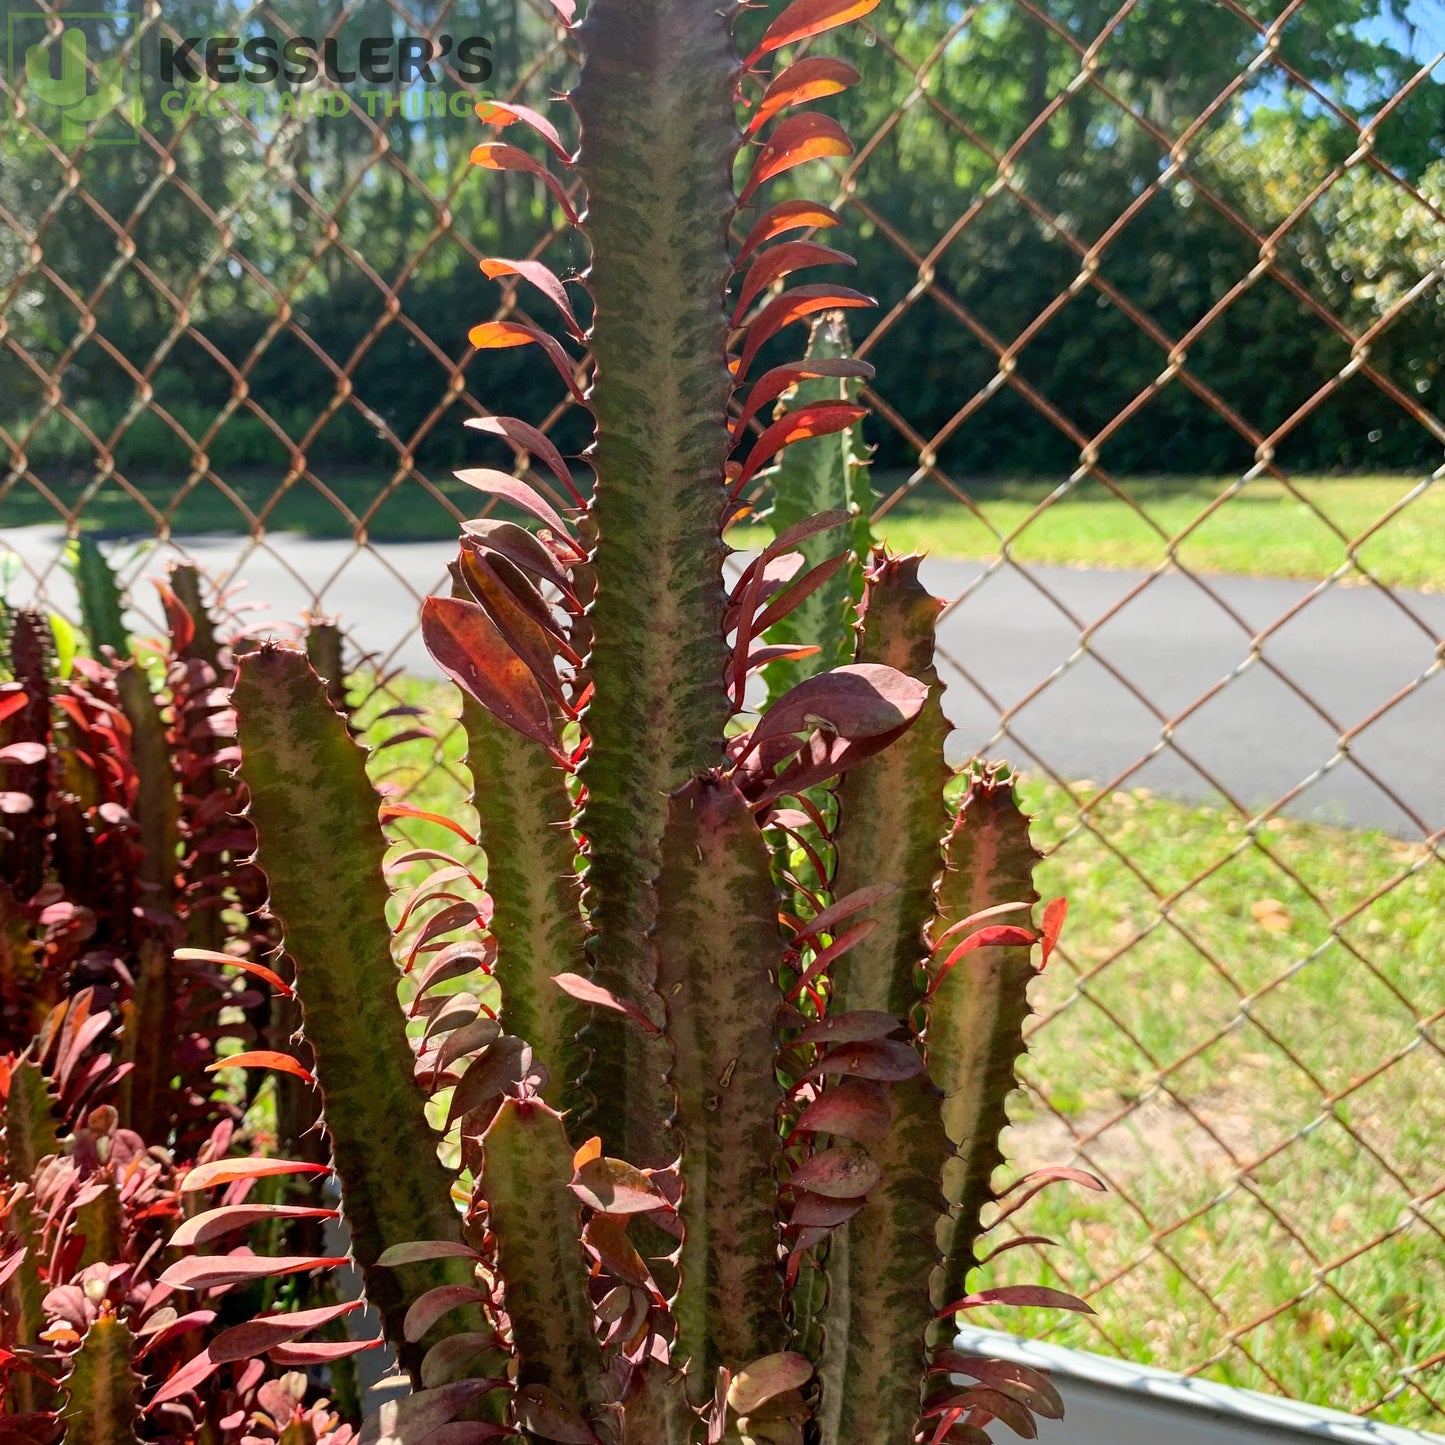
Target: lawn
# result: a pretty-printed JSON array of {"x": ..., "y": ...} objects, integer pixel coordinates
[
  {"x": 1261, "y": 530},
  {"x": 1283, "y": 989}
]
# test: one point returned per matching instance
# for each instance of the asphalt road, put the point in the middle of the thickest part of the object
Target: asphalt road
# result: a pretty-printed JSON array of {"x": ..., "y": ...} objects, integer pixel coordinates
[{"x": 1218, "y": 686}]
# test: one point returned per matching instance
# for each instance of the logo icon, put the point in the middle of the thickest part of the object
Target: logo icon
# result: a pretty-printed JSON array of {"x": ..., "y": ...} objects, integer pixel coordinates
[{"x": 71, "y": 97}]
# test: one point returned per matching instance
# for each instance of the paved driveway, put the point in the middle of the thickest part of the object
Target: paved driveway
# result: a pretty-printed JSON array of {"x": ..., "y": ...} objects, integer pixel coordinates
[{"x": 1169, "y": 672}]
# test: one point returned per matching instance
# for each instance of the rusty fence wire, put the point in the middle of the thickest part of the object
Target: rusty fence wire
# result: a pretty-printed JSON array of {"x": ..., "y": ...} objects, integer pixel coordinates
[{"x": 1146, "y": 275}]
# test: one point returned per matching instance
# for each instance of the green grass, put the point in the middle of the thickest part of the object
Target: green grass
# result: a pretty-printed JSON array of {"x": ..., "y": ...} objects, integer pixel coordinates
[
  {"x": 1262, "y": 530},
  {"x": 1144, "y": 1049},
  {"x": 406, "y": 513},
  {"x": 1182, "y": 1250}
]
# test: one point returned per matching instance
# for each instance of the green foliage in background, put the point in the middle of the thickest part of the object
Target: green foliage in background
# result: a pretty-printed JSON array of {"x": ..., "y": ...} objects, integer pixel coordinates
[{"x": 1362, "y": 245}]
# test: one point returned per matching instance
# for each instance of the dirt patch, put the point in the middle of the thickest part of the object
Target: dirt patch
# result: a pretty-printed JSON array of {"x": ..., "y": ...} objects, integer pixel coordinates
[{"x": 1157, "y": 1136}]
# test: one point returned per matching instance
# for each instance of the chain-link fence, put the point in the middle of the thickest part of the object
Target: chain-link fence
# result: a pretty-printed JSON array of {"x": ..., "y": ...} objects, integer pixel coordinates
[{"x": 1160, "y": 365}]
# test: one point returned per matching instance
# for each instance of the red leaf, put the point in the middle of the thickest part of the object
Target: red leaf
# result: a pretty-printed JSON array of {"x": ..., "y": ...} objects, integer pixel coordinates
[
  {"x": 255, "y": 970},
  {"x": 762, "y": 653},
  {"x": 860, "y": 700},
  {"x": 1050, "y": 1175},
  {"x": 765, "y": 1379},
  {"x": 424, "y": 1249},
  {"x": 1055, "y": 911},
  {"x": 529, "y": 438},
  {"x": 855, "y": 1109},
  {"x": 217, "y": 1223},
  {"x": 1032, "y": 1387},
  {"x": 27, "y": 753},
  {"x": 405, "y": 810},
  {"x": 786, "y": 216},
  {"x": 9, "y": 1266},
  {"x": 418, "y": 1416},
  {"x": 469, "y": 955},
  {"x": 472, "y": 1432},
  {"x": 772, "y": 384},
  {"x": 583, "y": 988},
  {"x": 768, "y": 266},
  {"x": 851, "y": 1027},
  {"x": 500, "y": 1070},
  {"x": 813, "y": 526},
  {"x": 797, "y": 140},
  {"x": 212, "y": 1271},
  {"x": 13, "y": 702},
  {"x": 467, "y": 645},
  {"x": 542, "y": 1412},
  {"x": 796, "y": 593},
  {"x": 253, "y": 1337},
  {"x": 496, "y": 112},
  {"x": 997, "y": 911},
  {"x": 519, "y": 494},
  {"x": 462, "y": 914},
  {"x": 821, "y": 418},
  {"x": 997, "y": 935},
  {"x": 467, "y": 1039},
  {"x": 808, "y": 17},
  {"x": 1038, "y": 1181},
  {"x": 1022, "y": 1296},
  {"x": 542, "y": 277},
  {"x": 512, "y": 601},
  {"x": 808, "y": 79},
  {"x": 1019, "y": 1241},
  {"x": 887, "y": 1059},
  {"x": 847, "y": 906},
  {"x": 612, "y": 1186},
  {"x": 265, "y": 1059},
  {"x": 495, "y": 335},
  {"x": 1014, "y": 1413},
  {"x": 190, "y": 1376},
  {"x": 165, "y": 1325},
  {"x": 846, "y": 1172},
  {"x": 817, "y": 1211},
  {"x": 181, "y": 624},
  {"x": 321, "y": 1352},
  {"x": 499, "y": 156},
  {"x": 793, "y": 306},
  {"x": 428, "y": 1308},
  {"x": 228, "y": 1171}
]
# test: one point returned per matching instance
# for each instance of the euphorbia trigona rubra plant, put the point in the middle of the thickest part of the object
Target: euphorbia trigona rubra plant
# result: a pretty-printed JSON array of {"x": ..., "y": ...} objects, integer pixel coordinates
[{"x": 719, "y": 1011}]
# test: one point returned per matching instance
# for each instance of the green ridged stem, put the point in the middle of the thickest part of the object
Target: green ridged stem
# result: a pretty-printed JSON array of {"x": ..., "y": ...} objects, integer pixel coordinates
[
  {"x": 185, "y": 582},
  {"x": 718, "y": 952},
  {"x": 322, "y": 849},
  {"x": 99, "y": 1222},
  {"x": 524, "y": 813},
  {"x": 812, "y": 476},
  {"x": 30, "y": 1136},
  {"x": 147, "y": 1098},
  {"x": 104, "y": 1401},
  {"x": 101, "y": 609},
  {"x": 158, "y": 805},
  {"x": 536, "y": 1222},
  {"x": 30, "y": 1131},
  {"x": 325, "y": 651},
  {"x": 655, "y": 100},
  {"x": 876, "y": 1320},
  {"x": 25, "y": 852},
  {"x": 892, "y": 817},
  {"x": 977, "y": 1013}
]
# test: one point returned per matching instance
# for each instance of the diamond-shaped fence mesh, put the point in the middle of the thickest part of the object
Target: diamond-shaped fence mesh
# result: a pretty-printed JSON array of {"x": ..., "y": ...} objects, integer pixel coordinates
[{"x": 1160, "y": 350}]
